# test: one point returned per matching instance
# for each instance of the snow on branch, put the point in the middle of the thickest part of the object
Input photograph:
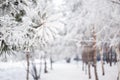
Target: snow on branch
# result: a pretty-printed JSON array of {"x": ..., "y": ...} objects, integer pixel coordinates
[{"x": 116, "y": 2}]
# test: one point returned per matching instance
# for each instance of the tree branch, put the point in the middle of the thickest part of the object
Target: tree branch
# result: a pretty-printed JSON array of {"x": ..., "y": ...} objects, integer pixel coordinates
[{"x": 115, "y": 2}]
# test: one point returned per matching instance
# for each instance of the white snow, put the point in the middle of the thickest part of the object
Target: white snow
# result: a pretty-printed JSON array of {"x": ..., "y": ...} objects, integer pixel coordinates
[{"x": 61, "y": 71}]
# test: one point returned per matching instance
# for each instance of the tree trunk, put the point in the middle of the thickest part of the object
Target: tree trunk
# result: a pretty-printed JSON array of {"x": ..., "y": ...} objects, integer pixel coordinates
[
  {"x": 45, "y": 65},
  {"x": 107, "y": 57},
  {"x": 110, "y": 56},
  {"x": 95, "y": 65},
  {"x": 51, "y": 63},
  {"x": 118, "y": 64},
  {"x": 95, "y": 54},
  {"x": 102, "y": 64},
  {"x": 103, "y": 72},
  {"x": 118, "y": 60},
  {"x": 111, "y": 59},
  {"x": 28, "y": 63},
  {"x": 89, "y": 71},
  {"x": 95, "y": 70},
  {"x": 118, "y": 70},
  {"x": 115, "y": 59}
]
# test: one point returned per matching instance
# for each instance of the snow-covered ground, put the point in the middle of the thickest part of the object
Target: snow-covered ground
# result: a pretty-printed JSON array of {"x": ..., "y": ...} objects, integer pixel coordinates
[{"x": 61, "y": 71}]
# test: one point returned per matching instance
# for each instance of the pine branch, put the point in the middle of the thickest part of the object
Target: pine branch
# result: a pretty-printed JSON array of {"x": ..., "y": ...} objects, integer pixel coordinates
[{"x": 116, "y": 2}]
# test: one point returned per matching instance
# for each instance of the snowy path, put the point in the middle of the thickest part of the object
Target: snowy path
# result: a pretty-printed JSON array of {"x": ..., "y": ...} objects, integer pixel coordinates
[
  {"x": 74, "y": 72},
  {"x": 66, "y": 72},
  {"x": 61, "y": 71}
]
